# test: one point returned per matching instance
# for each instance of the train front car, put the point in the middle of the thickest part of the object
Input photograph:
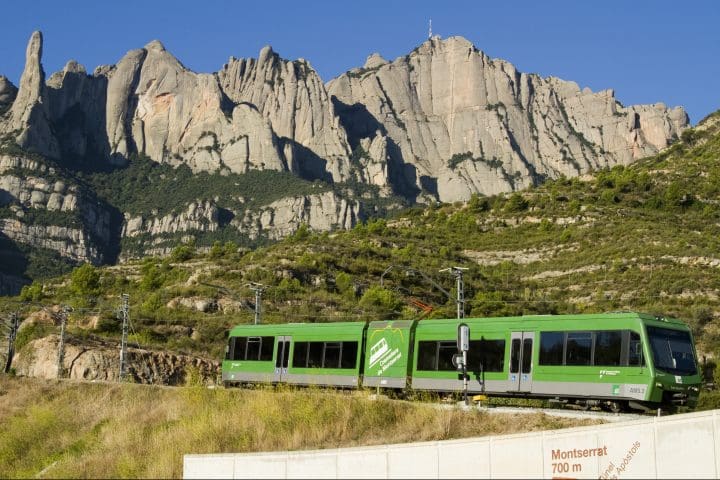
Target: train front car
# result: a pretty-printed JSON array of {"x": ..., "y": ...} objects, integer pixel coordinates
[
  {"x": 676, "y": 378},
  {"x": 613, "y": 361}
]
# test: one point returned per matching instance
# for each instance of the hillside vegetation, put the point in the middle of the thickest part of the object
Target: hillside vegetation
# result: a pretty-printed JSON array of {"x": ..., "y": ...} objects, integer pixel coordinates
[
  {"x": 643, "y": 237},
  {"x": 80, "y": 430}
]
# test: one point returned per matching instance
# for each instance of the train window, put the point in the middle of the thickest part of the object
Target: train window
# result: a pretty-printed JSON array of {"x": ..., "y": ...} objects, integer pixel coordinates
[
  {"x": 427, "y": 356},
  {"x": 515, "y": 355},
  {"x": 267, "y": 345},
  {"x": 579, "y": 348},
  {"x": 331, "y": 358},
  {"x": 446, "y": 350},
  {"x": 237, "y": 348},
  {"x": 253, "y": 348},
  {"x": 325, "y": 355},
  {"x": 300, "y": 353},
  {"x": 282, "y": 353},
  {"x": 527, "y": 355},
  {"x": 437, "y": 356},
  {"x": 551, "y": 348},
  {"x": 672, "y": 351},
  {"x": 608, "y": 345},
  {"x": 486, "y": 355},
  {"x": 315, "y": 355},
  {"x": 285, "y": 353},
  {"x": 348, "y": 359},
  {"x": 230, "y": 349},
  {"x": 635, "y": 358}
]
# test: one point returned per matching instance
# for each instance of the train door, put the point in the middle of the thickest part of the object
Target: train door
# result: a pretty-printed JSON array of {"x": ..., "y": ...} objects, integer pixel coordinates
[
  {"x": 521, "y": 348},
  {"x": 282, "y": 357}
]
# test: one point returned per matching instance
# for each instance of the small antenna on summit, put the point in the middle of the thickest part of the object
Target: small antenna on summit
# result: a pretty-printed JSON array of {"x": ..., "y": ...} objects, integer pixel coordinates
[{"x": 430, "y": 30}]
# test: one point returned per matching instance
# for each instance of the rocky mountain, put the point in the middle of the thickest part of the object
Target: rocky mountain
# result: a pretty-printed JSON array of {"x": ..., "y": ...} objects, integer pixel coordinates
[
  {"x": 458, "y": 122},
  {"x": 139, "y": 155},
  {"x": 292, "y": 97}
]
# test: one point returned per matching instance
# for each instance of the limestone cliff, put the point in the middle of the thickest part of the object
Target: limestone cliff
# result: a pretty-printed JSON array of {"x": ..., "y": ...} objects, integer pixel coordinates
[
  {"x": 322, "y": 212},
  {"x": 157, "y": 235},
  {"x": 158, "y": 107},
  {"x": 459, "y": 122},
  {"x": 291, "y": 95},
  {"x": 200, "y": 217},
  {"x": 87, "y": 359},
  {"x": 43, "y": 209}
]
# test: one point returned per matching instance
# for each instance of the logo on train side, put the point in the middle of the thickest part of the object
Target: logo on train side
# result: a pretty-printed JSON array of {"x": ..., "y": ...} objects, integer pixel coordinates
[
  {"x": 384, "y": 353},
  {"x": 378, "y": 350}
]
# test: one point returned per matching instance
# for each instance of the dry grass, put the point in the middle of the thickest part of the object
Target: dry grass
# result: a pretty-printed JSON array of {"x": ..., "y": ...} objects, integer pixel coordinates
[{"x": 130, "y": 431}]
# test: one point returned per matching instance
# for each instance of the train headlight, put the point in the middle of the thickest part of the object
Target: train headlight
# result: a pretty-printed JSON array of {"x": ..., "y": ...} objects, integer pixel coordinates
[{"x": 658, "y": 384}]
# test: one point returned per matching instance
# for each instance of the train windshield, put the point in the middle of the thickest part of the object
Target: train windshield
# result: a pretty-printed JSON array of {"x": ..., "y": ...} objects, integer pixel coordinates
[{"x": 672, "y": 351}]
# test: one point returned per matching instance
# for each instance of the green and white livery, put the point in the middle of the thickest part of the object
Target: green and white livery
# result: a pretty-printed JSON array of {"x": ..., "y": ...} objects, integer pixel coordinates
[{"x": 612, "y": 360}]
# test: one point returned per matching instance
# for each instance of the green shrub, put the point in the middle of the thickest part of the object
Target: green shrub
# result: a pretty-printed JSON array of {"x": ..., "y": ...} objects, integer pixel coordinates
[
  {"x": 152, "y": 304},
  {"x": 32, "y": 292},
  {"x": 384, "y": 302},
  {"x": 516, "y": 203},
  {"x": 478, "y": 204},
  {"x": 85, "y": 280},
  {"x": 217, "y": 250},
  {"x": 152, "y": 279},
  {"x": 709, "y": 400},
  {"x": 31, "y": 332},
  {"x": 183, "y": 252}
]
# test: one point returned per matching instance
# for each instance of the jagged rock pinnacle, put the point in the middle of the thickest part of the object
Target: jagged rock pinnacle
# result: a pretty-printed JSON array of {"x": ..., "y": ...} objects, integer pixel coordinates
[
  {"x": 30, "y": 111},
  {"x": 155, "y": 45}
]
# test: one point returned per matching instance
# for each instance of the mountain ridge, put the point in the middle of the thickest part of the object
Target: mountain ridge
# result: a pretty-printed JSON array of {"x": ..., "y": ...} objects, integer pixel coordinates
[{"x": 442, "y": 123}]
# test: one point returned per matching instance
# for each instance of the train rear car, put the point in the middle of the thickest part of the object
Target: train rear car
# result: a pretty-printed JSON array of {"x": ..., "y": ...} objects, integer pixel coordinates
[{"x": 325, "y": 354}]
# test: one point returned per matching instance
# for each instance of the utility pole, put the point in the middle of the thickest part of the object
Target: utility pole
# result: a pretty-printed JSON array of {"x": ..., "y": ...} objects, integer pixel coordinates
[
  {"x": 258, "y": 288},
  {"x": 457, "y": 272},
  {"x": 124, "y": 312},
  {"x": 61, "y": 346},
  {"x": 11, "y": 340}
]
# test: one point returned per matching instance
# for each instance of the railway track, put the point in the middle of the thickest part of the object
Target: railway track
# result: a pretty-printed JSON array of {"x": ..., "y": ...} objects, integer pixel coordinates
[
  {"x": 563, "y": 412},
  {"x": 559, "y": 412}
]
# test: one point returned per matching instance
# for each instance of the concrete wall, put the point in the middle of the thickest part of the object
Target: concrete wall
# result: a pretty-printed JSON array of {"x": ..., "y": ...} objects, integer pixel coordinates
[{"x": 678, "y": 446}]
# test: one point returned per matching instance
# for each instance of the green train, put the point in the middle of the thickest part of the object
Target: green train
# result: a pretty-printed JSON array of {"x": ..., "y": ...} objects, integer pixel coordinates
[{"x": 615, "y": 361}]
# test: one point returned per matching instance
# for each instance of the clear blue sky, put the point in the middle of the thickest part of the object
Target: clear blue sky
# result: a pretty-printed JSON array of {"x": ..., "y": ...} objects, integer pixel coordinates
[{"x": 648, "y": 51}]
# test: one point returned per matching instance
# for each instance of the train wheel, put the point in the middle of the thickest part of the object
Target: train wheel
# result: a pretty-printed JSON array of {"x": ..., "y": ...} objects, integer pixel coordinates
[{"x": 615, "y": 407}]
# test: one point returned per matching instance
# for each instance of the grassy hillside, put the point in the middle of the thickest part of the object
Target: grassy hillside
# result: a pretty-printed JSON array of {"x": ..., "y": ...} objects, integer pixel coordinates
[
  {"x": 644, "y": 237},
  {"x": 81, "y": 430}
]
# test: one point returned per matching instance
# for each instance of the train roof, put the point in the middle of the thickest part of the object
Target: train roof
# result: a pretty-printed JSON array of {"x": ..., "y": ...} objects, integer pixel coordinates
[
  {"x": 273, "y": 327},
  {"x": 637, "y": 316},
  {"x": 589, "y": 317}
]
